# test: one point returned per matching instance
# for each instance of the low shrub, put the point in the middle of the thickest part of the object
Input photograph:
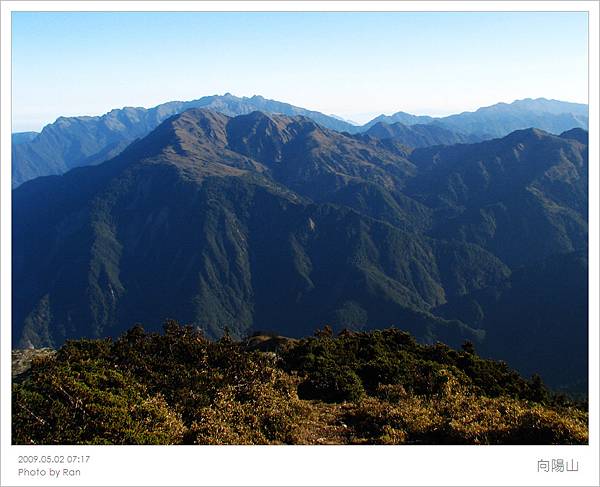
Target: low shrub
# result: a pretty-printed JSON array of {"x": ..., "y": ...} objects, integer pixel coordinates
[
  {"x": 330, "y": 383},
  {"x": 89, "y": 403},
  {"x": 380, "y": 387},
  {"x": 462, "y": 418}
]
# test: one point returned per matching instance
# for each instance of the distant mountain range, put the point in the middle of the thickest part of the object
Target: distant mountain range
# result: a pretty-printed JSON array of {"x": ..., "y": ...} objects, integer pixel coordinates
[
  {"x": 399, "y": 117},
  {"x": 498, "y": 120},
  {"x": 278, "y": 222},
  {"x": 80, "y": 141},
  {"x": 419, "y": 135}
]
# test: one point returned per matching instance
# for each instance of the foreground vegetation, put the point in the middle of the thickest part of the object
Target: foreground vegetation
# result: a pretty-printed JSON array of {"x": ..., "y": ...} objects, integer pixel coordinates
[{"x": 380, "y": 387}]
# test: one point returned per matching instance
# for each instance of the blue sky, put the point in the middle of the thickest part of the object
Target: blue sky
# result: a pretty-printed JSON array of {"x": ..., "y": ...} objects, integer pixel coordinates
[{"x": 356, "y": 65}]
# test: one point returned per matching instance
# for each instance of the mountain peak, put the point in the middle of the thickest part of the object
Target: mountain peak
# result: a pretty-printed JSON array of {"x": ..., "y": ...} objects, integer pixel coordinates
[
  {"x": 577, "y": 134},
  {"x": 402, "y": 117},
  {"x": 209, "y": 122},
  {"x": 256, "y": 115},
  {"x": 528, "y": 133},
  {"x": 263, "y": 136},
  {"x": 187, "y": 134}
]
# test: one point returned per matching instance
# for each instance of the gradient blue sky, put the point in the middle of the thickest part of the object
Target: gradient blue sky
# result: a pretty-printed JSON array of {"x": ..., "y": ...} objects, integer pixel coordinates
[{"x": 356, "y": 65}]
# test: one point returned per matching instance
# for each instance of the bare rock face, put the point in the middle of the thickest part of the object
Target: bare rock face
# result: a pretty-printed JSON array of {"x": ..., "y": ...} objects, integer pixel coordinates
[{"x": 21, "y": 359}]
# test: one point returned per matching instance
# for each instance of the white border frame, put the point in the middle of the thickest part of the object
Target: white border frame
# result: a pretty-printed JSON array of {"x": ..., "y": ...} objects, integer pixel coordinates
[{"x": 302, "y": 465}]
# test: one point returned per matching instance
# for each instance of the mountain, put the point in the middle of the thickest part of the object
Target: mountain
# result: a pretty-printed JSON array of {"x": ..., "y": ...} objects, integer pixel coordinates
[
  {"x": 522, "y": 197},
  {"x": 526, "y": 323},
  {"x": 501, "y": 119},
  {"x": 577, "y": 134},
  {"x": 399, "y": 117},
  {"x": 418, "y": 135},
  {"x": 543, "y": 310},
  {"x": 544, "y": 105},
  {"x": 20, "y": 137},
  {"x": 351, "y": 122},
  {"x": 217, "y": 220},
  {"x": 81, "y": 141},
  {"x": 273, "y": 222}
]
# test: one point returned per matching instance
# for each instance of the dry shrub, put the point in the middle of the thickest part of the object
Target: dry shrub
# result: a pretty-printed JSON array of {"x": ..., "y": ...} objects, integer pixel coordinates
[
  {"x": 382, "y": 422},
  {"x": 89, "y": 403},
  {"x": 252, "y": 413},
  {"x": 464, "y": 418},
  {"x": 542, "y": 426},
  {"x": 378, "y": 388}
]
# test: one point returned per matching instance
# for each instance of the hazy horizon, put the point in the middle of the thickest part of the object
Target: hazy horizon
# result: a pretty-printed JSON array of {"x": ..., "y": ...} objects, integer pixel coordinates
[
  {"x": 358, "y": 119},
  {"x": 355, "y": 65}
]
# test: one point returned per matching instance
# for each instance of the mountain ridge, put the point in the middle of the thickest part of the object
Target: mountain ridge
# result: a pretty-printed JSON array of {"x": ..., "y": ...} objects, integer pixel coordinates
[
  {"x": 270, "y": 221},
  {"x": 87, "y": 140}
]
